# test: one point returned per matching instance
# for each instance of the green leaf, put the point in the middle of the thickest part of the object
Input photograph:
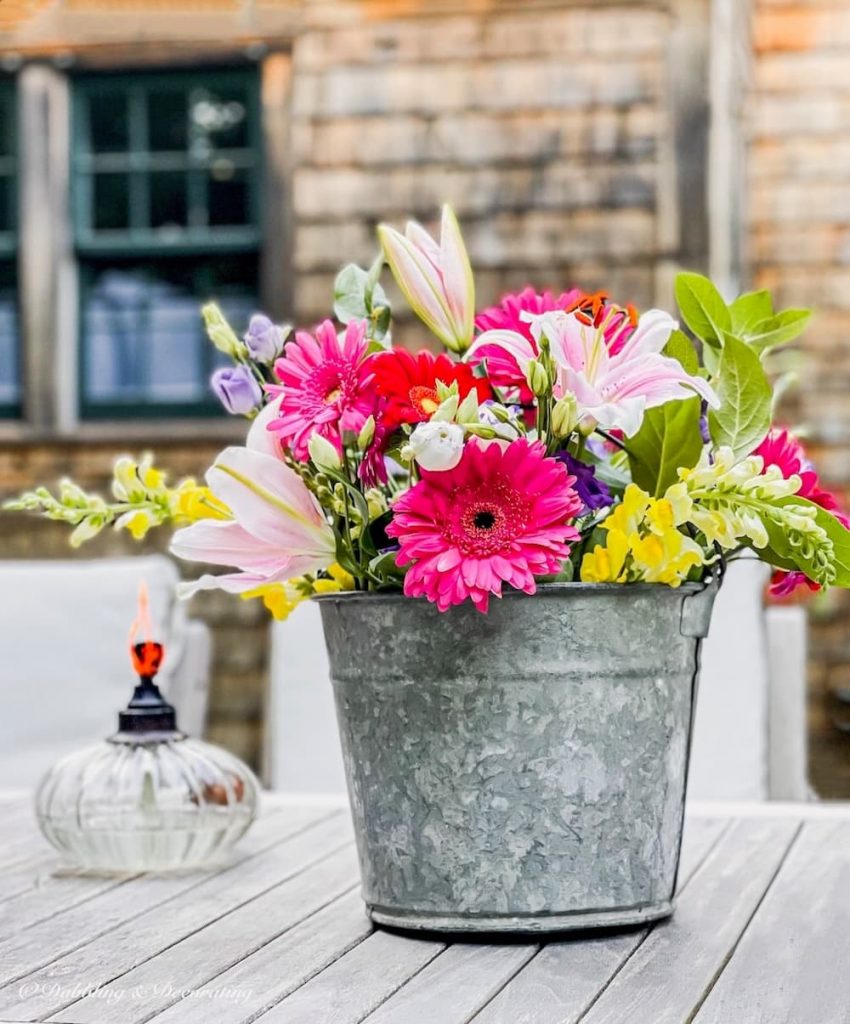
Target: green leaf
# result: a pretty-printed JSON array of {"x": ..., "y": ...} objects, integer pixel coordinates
[
  {"x": 748, "y": 310},
  {"x": 702, "y": 308},
  {"x": 349, "y": 294},
  {"x": 743, "y": 419},
  {"x": 679, "y": 346},
  {"x": 669, "y": 439},
  {"x": 779, "y": 329}
]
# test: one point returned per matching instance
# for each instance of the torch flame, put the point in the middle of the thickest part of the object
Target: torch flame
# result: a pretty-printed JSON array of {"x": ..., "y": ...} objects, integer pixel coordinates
[{"x": 145, "y": 653}]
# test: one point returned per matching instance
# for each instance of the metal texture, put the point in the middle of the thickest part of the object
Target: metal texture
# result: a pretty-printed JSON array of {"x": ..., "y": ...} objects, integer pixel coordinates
[{"x": 524, "y": 770}]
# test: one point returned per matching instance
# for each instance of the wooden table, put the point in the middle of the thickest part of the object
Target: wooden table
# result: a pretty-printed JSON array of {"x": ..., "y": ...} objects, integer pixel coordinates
[{"x": 761, "y": 934}]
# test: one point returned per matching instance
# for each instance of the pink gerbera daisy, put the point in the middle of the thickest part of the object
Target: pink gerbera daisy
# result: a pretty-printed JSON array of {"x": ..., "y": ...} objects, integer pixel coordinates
[
  {"x": 500, "y": 516},
  {"x": 780, "y": 448},
  {"x": 325, "y": 383}
]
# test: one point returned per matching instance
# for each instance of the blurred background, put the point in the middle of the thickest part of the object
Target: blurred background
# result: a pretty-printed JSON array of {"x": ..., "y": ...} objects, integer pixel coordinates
[{"x": 157, "y": 154}]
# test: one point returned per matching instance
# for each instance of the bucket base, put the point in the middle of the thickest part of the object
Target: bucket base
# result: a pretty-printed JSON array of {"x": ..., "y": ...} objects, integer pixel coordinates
[{"x": 524, "y": 924}]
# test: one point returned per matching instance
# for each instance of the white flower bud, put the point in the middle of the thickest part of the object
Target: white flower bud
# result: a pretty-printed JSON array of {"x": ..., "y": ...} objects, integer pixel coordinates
[{"x": 436, "y": 445}]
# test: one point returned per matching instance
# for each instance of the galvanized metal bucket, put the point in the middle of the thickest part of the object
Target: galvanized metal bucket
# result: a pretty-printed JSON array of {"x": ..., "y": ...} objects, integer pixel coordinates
[{"x": 521, "y": 771}]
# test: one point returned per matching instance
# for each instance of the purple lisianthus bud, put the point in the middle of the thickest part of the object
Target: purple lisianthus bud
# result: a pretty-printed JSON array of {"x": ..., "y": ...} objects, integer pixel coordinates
[
  {"x": 237, "y": 390},
  {"x": 594, "y": 493},
  {"x": 264, "y": 339}
]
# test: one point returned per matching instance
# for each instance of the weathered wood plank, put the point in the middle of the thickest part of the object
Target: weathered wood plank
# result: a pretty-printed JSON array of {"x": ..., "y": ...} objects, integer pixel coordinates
[
  {"x": 262, "y": 979},
  {"x": 203, "y": 956},
  {"x": 454, "y": 985},
  {"x": 665, "y": 979},
  {"x": 120, "y": 898},
  {"x": 16, "y": 879},
  {"x": 263, "y": 859},
  {"x": 791, "y": 964},
  {"x": 562, "y": 981},
  {"x": 358, "y": 983}
]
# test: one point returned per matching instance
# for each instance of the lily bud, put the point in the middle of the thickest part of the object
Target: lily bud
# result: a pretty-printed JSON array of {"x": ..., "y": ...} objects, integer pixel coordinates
[
  {"x": 538, "y": 378},
  {"x": 323, "y": 454},
  {"x": 366, "y": 435},
  {"x": 435, "y": 278},
  {"x": 565, "y": 416}
]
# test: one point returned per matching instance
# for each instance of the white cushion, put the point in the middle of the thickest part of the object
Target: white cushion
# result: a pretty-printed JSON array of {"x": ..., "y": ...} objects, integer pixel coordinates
[{"x": 64, "y": 631}]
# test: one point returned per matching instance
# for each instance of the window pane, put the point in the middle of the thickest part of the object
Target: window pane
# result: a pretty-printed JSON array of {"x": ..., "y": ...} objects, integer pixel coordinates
[
  {"x": 9, "y": 370},
  {"x": 229, "y": 201},
  {"x": 167, "y": 120},
  {"x": 168, "y": 199},
  {"x": 108, "y": 122},
  {"x": 5, "y": 203},
  {"x": 110, "y": 202},
  {"x": 8, "y": 119},
  {"x": 219, "y": 119},
  {"x": 143, "y": 336}
]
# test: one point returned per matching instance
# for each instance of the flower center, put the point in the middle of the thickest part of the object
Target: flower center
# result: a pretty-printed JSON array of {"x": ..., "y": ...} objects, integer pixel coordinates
[
  {"x": 486, "y": 521},
  {"x": 332, "y": 396},
  {"x": 424, "y": 400}
]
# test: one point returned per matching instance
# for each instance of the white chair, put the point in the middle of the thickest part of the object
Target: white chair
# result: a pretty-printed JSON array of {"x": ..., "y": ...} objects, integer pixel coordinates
[
  {"x": 64, "y": 634},
  {"x": 750, "y": 731}
]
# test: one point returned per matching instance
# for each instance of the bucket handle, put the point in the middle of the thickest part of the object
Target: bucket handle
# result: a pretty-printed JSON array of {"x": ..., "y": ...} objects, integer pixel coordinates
[{"x": 696, "y": 608}]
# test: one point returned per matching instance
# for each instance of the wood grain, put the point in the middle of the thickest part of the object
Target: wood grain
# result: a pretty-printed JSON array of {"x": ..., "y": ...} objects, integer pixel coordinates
[{"x": 791, "y": 964}]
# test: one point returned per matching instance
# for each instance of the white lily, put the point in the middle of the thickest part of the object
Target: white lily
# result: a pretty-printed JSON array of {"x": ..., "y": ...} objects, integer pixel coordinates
[{"x": 278, "y": 529}]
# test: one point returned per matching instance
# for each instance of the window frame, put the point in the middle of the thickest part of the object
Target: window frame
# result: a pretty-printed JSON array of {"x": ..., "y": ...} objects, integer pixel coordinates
[
  {"x": 91, "y": 247},
  {"x": 12, "y": 411}
]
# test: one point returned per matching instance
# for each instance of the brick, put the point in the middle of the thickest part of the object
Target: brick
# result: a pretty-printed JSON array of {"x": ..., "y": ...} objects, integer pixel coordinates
[
  {"x": 575, "y": 31},
  {"x": 799, "y": 202},
  {"x": 396, "y": 193},
  {"x": 470, "y": 139},
  {"x": 811, "y": 70},
  {"x": 435, "y": 89},
  {"x": 813, "y": 158},
  {"x": 811, "y": 113},
  {"x": 801, "y": 28}
]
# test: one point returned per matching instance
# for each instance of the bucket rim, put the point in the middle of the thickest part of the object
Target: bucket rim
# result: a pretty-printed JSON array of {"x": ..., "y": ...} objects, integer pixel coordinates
[{"x": 352, "y": 596}]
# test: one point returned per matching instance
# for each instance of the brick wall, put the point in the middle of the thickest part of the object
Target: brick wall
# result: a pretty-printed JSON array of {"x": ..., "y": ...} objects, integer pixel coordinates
[
  {"x": 798, "y": 237},
  {"x": 543, "y": 126}
]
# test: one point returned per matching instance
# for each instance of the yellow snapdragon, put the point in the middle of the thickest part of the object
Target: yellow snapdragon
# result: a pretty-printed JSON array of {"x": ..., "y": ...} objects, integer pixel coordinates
[
  {"x": 281, "y": 599},
  {"x": 644, "y": 541}
]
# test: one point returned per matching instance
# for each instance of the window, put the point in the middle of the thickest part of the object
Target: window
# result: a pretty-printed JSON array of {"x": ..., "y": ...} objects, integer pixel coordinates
[
  {"x": 165, "y": 198},
  {"x": 10, "y": 375}
]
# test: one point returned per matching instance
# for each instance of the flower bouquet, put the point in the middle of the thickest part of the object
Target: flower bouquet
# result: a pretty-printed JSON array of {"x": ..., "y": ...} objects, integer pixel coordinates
[{"x": 525, "y": 769}]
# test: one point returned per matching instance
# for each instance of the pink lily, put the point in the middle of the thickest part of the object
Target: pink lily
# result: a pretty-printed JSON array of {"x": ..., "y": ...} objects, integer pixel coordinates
[
  {"x": 278, "y": 529},
  {"x": 435, "y": 279},
  {"x": 612, "y": 391}
]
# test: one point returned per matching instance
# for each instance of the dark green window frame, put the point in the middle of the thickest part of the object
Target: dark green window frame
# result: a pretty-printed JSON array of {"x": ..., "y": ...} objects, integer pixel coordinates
[
  {"x": 10, "y": 409},
  {"x": 198, "y": 250}
]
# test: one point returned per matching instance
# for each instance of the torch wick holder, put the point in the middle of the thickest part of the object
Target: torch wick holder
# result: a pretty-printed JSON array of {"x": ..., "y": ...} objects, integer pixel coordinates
[{"x": 148, "y": 712}]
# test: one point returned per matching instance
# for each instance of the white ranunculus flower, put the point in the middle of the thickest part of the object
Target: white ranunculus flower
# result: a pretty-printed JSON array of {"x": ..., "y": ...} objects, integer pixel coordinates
[{"x": 437, "y": 446}]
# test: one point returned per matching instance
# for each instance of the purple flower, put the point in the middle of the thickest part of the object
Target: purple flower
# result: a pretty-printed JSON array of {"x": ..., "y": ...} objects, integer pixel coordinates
[
  {"x": 593, "y": 493},
  {"x": 264, "y": 339},
  {"x": 237, "y": 390}
]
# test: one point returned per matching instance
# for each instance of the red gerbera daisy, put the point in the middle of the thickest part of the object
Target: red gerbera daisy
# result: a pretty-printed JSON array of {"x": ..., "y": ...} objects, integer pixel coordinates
[
  {"x": 500, "y": 516},
  {"x": 408, "y": 384}
]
